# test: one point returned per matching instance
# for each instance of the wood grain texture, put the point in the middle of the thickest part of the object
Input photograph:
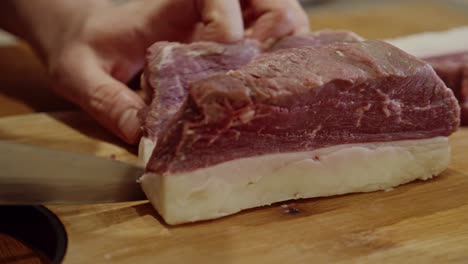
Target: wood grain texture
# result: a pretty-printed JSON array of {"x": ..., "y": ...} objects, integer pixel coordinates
[
  {"x": 415, "y": 223},
  {"x": 377, "y": 19},
  {"x": 421, "y": 222},
  {"x": 60, "y": 130}
]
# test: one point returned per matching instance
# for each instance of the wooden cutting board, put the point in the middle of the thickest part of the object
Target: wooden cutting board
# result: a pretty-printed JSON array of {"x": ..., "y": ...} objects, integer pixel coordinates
[
  {"x": 415, "y": 223},
  {"x": 419, "y": 222}
]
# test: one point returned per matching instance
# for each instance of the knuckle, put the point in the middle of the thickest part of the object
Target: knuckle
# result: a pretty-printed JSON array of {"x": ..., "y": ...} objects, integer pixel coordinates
[
  {"x": 104, "y": 99},
  {"x": 60, "y": 65},
  {"x": 57, "y": 69},
  {"x": 283, "y": 15},
  {"x": 86, "y": 32},
  {"x": 100, "y": 97}
]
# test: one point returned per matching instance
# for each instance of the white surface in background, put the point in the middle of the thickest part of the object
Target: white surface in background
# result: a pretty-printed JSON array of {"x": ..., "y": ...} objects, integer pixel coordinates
[
  {"x": 6, "y": 38},
  {"x": 428, "y": 44}
]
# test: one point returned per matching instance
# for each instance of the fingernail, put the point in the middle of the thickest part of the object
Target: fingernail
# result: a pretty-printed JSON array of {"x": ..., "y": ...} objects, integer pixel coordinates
[
  {"x": 302, "y": 30},
  {"x": 248, "y": 33},
  {"x": 269, "y": 42},
  {"x": 129, "y": 125}
]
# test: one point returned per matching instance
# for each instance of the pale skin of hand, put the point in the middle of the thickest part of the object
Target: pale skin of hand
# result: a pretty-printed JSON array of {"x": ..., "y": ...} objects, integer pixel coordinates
[{"x": 91, "y": 48}]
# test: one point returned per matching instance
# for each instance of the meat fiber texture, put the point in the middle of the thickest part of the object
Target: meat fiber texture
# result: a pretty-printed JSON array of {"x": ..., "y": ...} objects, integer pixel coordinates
[
  {"x": 170, "y": 68},
  {"x": 273, "y": 125},
  {"x": 447, "y": 52},
  {"x": 307, "y": 98}
]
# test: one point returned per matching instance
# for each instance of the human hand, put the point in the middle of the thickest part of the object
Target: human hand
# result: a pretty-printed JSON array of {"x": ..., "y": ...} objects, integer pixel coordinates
[{"x": 92, "y": 48}]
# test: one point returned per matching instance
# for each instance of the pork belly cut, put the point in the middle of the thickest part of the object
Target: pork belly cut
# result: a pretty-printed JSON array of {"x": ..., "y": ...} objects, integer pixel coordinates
[
  {"x": 447, "y": 52},
  {"x": 299, "y": 123}
]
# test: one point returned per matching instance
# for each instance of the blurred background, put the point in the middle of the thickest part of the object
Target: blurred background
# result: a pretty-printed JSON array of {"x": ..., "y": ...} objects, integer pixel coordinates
[
  {"x": 22, "y": 78},
  {"x": 387, "y": 18}
]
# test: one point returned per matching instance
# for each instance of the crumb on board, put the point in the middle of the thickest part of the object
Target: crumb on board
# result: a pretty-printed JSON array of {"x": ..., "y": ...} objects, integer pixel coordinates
[{"x": 290, "y": 209}]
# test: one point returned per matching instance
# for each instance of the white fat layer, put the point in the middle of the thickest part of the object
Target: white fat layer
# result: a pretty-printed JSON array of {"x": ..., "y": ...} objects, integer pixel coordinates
[
  {"x": 244, "y": 183},
  {"x": 430, "y": 44},
  {"x": 166, "y": 54},
  {"x": 201, "y": 52},
  {"x": 145, "y": 149}
]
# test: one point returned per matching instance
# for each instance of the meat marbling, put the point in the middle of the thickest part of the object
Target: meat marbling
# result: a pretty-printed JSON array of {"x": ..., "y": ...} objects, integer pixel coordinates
[
  {"x": 316, "y": 39},
  {"x": 447, "y": 52},
  {"x": 170, "y": 68},
  {"x": 307, "y": 98}
]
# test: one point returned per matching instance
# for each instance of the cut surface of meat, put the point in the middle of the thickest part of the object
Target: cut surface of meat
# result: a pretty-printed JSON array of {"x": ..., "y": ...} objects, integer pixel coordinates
[
  {"x": 447, "y": 52},
  {"x": 303, "y": 99}
]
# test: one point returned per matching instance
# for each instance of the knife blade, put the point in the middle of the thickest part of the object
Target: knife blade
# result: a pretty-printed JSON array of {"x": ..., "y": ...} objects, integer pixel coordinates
[{"x": 35, "y": 175}]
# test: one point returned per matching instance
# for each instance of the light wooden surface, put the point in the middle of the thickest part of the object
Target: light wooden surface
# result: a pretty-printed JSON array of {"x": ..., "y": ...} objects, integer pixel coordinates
[
  {"x": 420, "y": 222},
  {"x": 377, "y": 19},
  {"x": 415, "y": 223}
]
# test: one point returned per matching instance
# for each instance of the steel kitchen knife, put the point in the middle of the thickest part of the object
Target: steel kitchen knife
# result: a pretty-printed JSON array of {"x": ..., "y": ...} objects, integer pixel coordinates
[{"x": 34, "y": 175}]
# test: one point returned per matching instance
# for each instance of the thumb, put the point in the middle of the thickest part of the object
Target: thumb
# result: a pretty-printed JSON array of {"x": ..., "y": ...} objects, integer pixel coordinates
[{"x": 107, "y": 100}]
